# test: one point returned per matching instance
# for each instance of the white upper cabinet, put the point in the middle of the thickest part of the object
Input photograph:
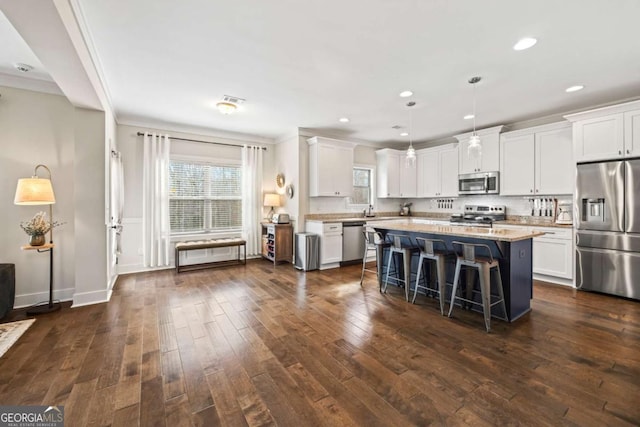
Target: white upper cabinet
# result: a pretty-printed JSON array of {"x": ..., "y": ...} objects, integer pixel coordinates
[
  {"x": 537, "y": 161},
  {"x": 606, "y": 133},
  {"x": 489, "y": 160},
  {"x": 437, "y": 170},
  {"x": 330, "y": 167},
  {"x": 394, "y": 178},
  {"x": 632, "y": 133}
]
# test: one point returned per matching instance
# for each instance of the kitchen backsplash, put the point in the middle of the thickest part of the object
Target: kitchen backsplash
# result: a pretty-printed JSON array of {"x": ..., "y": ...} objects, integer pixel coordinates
[{"x": 516, "y": 205}]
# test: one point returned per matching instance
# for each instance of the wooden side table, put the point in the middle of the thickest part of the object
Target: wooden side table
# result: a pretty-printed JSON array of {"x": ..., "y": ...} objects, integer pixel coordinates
[
  {"x": 277, "y": 242},
  {"x": 50, "y": 306}
]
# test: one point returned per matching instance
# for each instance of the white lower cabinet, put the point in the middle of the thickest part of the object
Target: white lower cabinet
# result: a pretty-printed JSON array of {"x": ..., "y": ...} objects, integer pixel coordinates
[
  {"x": 552, "y": 253},
  {"x": 330, "y": 242}
]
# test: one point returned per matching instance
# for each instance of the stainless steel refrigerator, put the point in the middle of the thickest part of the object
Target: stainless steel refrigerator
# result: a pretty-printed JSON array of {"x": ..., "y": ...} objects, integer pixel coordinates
[{"x": 608, "y": 227}]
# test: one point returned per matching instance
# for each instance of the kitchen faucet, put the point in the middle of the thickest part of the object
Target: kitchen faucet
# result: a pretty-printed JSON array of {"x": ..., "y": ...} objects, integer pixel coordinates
[{"x": 369, "y": 213}]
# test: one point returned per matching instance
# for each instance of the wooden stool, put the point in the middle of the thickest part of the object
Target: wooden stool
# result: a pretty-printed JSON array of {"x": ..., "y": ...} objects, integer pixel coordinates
[{"x": 468, "y": 258}]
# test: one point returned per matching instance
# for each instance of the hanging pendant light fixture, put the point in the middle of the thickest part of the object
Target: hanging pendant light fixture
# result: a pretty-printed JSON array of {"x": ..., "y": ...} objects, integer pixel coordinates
[
  {"x": 475, "y": 147},
  {"x": 410, "y": 159}
]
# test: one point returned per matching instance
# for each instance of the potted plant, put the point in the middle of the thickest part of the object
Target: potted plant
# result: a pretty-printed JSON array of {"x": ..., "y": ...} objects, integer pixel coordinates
[{"x": 37, "y": 227}]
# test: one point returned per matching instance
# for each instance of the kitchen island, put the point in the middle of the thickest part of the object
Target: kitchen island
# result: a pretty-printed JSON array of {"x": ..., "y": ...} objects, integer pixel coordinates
[{"x": 512, "y": 248}]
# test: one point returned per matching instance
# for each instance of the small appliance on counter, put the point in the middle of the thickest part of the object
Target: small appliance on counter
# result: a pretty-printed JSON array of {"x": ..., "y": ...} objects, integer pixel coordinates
[
  {"x": 280, "y": 218},
  {"x": 565, "y": 213},
  {"x": 405, "y": 209}
]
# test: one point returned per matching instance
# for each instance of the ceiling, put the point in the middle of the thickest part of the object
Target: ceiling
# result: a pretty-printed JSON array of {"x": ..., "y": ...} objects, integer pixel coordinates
[{"x": 306, "y": 64}]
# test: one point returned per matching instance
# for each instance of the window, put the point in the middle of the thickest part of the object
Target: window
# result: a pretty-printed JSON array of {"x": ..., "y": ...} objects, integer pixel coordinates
[
  {"x": 362, "y": 187},
  {"x": 204, "y": 197}
]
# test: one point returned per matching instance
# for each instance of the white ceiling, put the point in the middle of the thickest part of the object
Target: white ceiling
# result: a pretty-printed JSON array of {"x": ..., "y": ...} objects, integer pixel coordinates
[{"x": 306, "y": 64}]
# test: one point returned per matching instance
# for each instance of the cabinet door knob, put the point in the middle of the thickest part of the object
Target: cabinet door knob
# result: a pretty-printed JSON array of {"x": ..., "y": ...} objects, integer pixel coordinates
[
  {"x": 628, "y": 151},
  {"x": 536, "y": 190},
  {"x": 531, "y": 191},
  {"x": 619, "y": 152}
]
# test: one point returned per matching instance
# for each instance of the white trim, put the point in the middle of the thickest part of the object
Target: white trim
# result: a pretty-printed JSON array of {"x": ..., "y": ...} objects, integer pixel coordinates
[
  {"x": 90, "y": 298},
  {"x": 150, "y": 124},
  {"x": 554, "y": 280},
  {"x": 34, "y": 85},
  {"x": 537, "y": 129},
  {"x": 216, "y": 161},
  {"x": 487, "y": 131},
  {"x": 26, "y": 300},
  {"x": 603, "y": 111}
]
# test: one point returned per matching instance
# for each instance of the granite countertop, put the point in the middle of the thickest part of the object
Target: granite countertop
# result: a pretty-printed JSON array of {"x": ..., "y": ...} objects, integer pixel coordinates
[
  {"x": 419, "y": 226},
  {"x": 524, "y": 221}
]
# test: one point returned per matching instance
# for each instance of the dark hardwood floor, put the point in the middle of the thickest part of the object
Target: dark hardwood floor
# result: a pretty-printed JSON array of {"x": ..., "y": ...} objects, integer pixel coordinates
[{"x": 264, "y": 345}]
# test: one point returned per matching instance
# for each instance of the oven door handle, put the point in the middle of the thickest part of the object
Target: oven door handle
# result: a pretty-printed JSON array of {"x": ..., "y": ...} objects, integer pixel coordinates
[{"x": 486, "y": 183}]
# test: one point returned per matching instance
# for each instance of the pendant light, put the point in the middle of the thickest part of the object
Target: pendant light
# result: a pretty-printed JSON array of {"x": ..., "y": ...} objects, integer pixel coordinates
[
  {"x": 474, "y": 149},
  {"x": 410, "y": 159}
]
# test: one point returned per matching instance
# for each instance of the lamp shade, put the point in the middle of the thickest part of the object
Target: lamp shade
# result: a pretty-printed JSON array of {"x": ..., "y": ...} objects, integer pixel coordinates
[
  {"x": 271, "y": 199},
  {"x": 34, "y": 191}
]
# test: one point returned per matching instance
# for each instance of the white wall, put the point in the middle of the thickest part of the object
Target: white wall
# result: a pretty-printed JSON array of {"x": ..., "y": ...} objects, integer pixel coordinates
[
  {"x": 131, "y": 148},
  {"x": 44, "y": 128}
]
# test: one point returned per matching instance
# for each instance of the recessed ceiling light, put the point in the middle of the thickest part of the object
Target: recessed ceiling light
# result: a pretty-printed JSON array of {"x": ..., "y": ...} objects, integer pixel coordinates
[
  {"x": 404, "y": 134},
  {"x": 406, "y": 93},
  {"x": 525, "y": 43},
  {"x": 343, "y": 120},
  {"x": 468, "y": 117},
  {"x": 574, "y": 88}
]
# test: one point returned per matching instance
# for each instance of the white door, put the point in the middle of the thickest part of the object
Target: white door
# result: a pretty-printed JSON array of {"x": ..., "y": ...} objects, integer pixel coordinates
[
  {"x": 632, "y": 133},
  {"x": 116, "y": 205},
  {"x": 427, "y": 169},
  {"x": 600, "y": 138},
  {"x": 342, "y": 169},
  {"x": 448, "y": 179}
]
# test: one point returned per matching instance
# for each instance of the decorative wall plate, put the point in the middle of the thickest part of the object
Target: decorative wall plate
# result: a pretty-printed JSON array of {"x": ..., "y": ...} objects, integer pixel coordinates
[
  {"x": 280, "y": 180},
  {"x": 290, "y": 191}
]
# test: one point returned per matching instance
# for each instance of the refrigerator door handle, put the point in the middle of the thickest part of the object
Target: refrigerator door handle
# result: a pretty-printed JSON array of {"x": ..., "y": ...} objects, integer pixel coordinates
[{"x": 579, "y": 279}]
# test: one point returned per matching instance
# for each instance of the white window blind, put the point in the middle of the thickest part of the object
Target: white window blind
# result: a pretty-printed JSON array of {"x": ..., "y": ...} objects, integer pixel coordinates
[
  {"x": 204, "y": 197},
  {"x": 362, "y": 189}
]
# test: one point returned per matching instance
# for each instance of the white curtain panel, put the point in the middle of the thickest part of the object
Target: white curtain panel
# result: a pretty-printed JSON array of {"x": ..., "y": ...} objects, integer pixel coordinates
[
  {"x": 252, "y": 198},
  {"x": 155, "y": 201}
]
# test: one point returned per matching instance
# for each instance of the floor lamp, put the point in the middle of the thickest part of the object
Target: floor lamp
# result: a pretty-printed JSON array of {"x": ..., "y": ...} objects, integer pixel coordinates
[{"x": 39, "y": 191}]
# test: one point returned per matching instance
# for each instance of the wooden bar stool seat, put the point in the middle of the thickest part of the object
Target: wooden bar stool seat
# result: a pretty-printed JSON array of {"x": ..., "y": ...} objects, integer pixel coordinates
[{"x": 485, "y": 265}]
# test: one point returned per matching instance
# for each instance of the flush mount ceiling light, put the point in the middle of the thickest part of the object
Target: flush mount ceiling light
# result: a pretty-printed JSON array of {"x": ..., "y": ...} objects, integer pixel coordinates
[
  {"x": 525, "y": 43},
  {"x": 468, "y": 117},
  {"x": 24, "y": 68},
  {"x": 475, "y": 148},
  {"x": 229, "y": 104},
  {"x": 574, "y": 88},
  {"x": 343, "y": 120},
  {"x": 410, "y": 159},
  {"x": 405, "y": 94},
  {"x": 404, "y": 134}
]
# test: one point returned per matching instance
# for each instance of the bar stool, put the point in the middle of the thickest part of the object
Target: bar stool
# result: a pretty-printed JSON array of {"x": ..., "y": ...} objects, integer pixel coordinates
[
  {"x": 435, "y": 251},
  {"x": 400, "y": 244},
  {"x": 372, "y": 240},
  {"x": 467, "y": 257}
]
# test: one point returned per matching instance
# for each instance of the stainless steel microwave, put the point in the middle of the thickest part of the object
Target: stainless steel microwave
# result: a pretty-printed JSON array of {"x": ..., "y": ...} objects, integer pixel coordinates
[{"x": 479, "y": 183}]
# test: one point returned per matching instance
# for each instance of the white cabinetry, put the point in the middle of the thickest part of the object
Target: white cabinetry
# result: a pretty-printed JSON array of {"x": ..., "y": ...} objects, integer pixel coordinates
[
  {"x": 552, "y": 253},
  {"x": 395, "y": 179},
  {"x": 489, "y": 160},
  {"x": 607, "y": 133},
  {"x": 437, "y": 171},
  {"x": 330, "y": 242},
  {"x": 330, "y": 167},
  {"x": 551, "y": 149}
]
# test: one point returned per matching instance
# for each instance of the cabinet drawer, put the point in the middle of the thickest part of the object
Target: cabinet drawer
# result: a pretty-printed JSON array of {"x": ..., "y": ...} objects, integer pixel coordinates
[
  {"x": 555, "y": 233},
  {"x": 331, "y": 227}
]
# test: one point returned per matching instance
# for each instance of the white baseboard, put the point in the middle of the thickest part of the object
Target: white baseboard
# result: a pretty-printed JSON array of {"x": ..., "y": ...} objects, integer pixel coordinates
[
  {"x": 26, "y": 300},
  {"x": 554, "y": 280},
  {"x": 89, "y": 298}
]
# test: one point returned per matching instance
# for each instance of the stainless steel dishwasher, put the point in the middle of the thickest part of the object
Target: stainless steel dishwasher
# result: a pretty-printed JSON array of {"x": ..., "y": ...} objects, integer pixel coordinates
[{"x": 352, "y": 242}]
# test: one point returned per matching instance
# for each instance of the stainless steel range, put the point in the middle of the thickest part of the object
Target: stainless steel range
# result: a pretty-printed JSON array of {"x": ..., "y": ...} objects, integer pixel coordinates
[{"x": 479, "y": 215}]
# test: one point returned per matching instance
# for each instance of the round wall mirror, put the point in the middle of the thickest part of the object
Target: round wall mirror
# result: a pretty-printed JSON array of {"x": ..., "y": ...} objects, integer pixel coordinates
[{"x": 280, "y": 180}]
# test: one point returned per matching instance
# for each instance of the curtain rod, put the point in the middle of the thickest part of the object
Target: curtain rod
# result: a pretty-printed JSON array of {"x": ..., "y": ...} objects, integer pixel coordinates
[{"x": 204, "y": 142}]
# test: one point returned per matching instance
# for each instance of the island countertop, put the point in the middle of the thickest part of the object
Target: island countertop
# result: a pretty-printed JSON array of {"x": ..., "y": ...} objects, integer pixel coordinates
[{"x": 417, "y": 225}]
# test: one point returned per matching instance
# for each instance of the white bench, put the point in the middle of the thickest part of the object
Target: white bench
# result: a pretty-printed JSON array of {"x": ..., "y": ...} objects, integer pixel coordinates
[{"x": 208, "y": 244}]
